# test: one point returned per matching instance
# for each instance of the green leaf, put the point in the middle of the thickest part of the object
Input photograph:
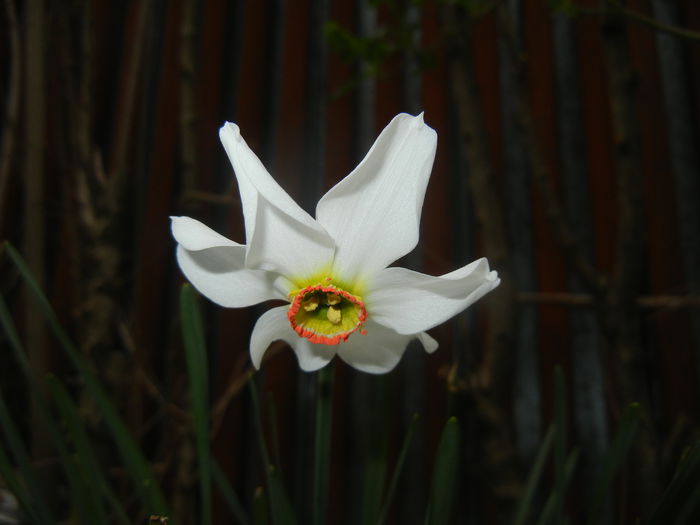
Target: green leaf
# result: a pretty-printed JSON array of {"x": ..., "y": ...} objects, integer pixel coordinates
[
  {"x": 445, "y": 475},
  {"x": 197, "y": 368},
  {"x": 137, "y": 466},
  {"x": 259, "y": 508},
  {"x": 86, "y": 500},
  {"x": 13, "y": 483},
  {"x": 613, "y": 460},
  {"x": 33, "y": 498},
  {"x": 554, "y": 500},
  {"x": 229, "y": 495},
  {"x": 280, "y": 507},
  {"x": 680, "y": 502},
  {"x": 397, "y": 471},
  {"x": 559, "y": 445},
  {"x": 533, "y": 478},
  {"x": 689, "y": 511},
  {"x": 86, "y": 462},
  {"x": 374, "y": 482}
]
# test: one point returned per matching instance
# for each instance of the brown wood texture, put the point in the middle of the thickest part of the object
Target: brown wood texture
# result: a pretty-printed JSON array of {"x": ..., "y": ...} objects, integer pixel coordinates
[{"x": 241, "y": 71}]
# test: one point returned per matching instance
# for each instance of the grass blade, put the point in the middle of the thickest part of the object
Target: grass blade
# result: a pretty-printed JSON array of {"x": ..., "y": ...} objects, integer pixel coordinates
[
  {"x": 9, "y": 477},
  {"x": 229, "y": 494},
  {"x": 445, "y": 475},
  {"x": 613, "y": 460},
  {"x": 689, "y": 512},
  {"x": 397, "y": 471},
  {"x": 533, "y": 478},
  {"x": 553, "y": 501},
  {"x": 196, "y": 355},
  {"x": 559, "y": 445},
  {"x": 87, "y": 463},
  {"x": 682, "y": 493},
  {"x": 82, "y": 493},
  {"x": 280, "y": 508},
  {"x": 137, "y": 466},
  {"x": 33, "y": 497},
  {"x": 374, "y": 483}
]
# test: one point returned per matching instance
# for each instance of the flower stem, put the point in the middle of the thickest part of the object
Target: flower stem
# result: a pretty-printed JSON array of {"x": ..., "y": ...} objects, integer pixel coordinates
[{"x": 324, "y": 406}]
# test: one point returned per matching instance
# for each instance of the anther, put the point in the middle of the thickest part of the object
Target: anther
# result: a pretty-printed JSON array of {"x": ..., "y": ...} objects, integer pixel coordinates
[
  {"x": 332, "y": 299},
  {"x": 333, "y": 314},
  {"x": 310, "y": 304}
]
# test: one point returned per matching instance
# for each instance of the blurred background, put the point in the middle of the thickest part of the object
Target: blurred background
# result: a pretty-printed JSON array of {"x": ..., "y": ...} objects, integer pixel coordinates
[{"x": 567, "y": 155}]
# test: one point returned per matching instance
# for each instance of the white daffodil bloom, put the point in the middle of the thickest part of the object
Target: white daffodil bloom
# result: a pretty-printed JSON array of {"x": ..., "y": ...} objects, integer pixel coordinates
[{"x": 333, "y": 270}]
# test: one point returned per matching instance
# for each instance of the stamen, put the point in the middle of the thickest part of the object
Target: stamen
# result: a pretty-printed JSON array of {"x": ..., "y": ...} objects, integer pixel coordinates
[
  {"x": 333, "y": 314},
  {"x": 326, "y": 314},
  {"x": 311, "y": 303}
]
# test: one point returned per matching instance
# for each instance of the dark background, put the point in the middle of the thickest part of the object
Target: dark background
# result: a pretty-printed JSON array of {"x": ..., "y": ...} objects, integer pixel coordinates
[{"x": 567, "y": 154}]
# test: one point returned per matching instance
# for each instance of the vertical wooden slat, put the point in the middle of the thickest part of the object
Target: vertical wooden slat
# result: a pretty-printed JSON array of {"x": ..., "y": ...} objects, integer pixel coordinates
[
  {"x": 35, "y": 31},
  {"x": 589, "y": 414},
  {"x": 622, "y": 319},
  {"x": 361, "y": 386},
  {"x": 685, "y": 162},
  {"x": 272, "y": 87},
  {"x": 151, "y": 242},
  {"x": 466, "y": 338},
  {"x": 315, "y": 101},
  {"x": 492, "y": 379},
  {"x": 518, "y": 206},
  {"x": 412, "y": 366},
  {"x": 11, "y": 108}
]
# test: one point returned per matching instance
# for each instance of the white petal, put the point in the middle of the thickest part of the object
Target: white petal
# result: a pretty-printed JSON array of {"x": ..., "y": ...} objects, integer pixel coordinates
[
  {"x": 280, "y": 236},
  {"x": 374, "y": 213},
  {"x": 412, "y": 302},
  {"x": 428, "y": 342},
  {"x": 194, "y": 235},
  {"x": 219, "y": 274},
  {"x": 273, "y": 325},
  {"x": 380, "y": 349}
]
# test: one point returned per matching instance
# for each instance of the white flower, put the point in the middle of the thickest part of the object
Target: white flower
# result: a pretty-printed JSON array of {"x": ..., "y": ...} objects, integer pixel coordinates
[{"x": 333, "y": 269}]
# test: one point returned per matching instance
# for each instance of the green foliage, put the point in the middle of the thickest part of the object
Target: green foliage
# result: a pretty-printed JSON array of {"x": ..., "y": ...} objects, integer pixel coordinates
[
  {"x": 567, "y": 7},
  {"x": 613, "y": 460},
  {"x": 142, "y": 476},
  {"x": 565, "y": 466},
  {"x": 373, "y": 50},
  {"x": 92, "y": 495},
  {"x": 397, "y": 471},
  {"x": 445, "y": 477},
  {"x": 196, "y": 355},
  {"x": 86, "y": 461},
  {"x": 280, "y": 508},
  {"x": 680, "y": 503}
]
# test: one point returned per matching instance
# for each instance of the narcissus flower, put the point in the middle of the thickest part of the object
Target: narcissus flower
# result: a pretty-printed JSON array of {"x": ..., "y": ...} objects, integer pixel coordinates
[{"x": 333, "y": 270}]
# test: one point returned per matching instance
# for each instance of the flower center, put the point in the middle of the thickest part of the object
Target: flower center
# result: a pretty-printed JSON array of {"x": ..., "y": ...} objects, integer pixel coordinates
[{"x": 326, "y": 314}]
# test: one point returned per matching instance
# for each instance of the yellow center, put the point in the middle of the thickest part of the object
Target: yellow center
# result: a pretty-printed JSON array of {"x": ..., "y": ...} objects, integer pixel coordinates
[{"x": 325, "y": 314}]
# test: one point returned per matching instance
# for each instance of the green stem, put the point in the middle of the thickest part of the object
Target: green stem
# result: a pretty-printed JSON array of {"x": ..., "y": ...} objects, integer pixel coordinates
[{"x": 324, "y": 407}]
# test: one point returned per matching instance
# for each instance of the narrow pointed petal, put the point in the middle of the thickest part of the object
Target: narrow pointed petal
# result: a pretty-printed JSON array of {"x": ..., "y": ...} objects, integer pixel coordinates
[
  {"x": 428, "y": 342},
  {"x": 412, "y": 302},
  {"x": 374, "y": 213},
  {"x": 220, "y": 274},
  {"x": 380, "y": 349},
  {"x": 280, "y": 236},
  {"x": 273, "y": 325},
  {"x": 194, "y": 235},
  {"x": 215, "y": 267}
]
